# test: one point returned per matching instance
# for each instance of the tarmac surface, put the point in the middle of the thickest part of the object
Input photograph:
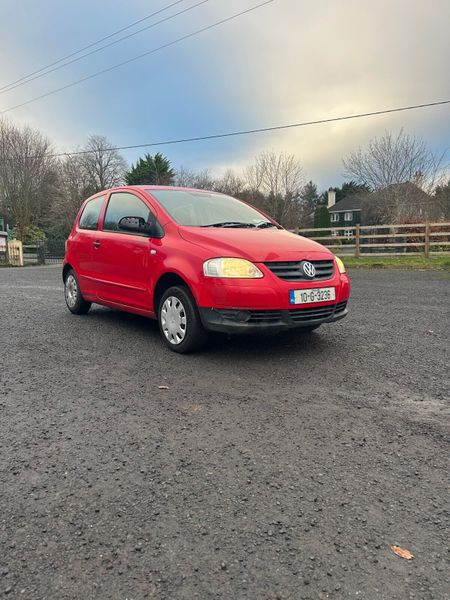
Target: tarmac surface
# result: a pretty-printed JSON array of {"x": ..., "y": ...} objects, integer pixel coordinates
[{"x": 271, "y": 468}]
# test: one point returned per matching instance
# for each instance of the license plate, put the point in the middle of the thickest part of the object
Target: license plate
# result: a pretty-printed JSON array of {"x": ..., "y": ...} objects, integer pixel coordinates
[{"x": 312, "y": 295}]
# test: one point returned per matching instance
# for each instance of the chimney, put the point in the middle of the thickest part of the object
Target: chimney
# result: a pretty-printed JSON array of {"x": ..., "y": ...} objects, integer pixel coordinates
[
  {"x": 331, "y": 198},
  {"x": 418, "y": 178}
]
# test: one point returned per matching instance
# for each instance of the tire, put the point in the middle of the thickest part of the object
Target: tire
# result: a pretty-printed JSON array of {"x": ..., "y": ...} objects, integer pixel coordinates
[
  {"x": 74, "y": 300},
  {"x": 179, "y": 321}
]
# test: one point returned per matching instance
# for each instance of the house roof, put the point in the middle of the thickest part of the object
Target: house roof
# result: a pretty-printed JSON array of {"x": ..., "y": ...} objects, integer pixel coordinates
[
  {"x": 400, "y": 191},
  {"x": 395, "y": 192},
  {"x": 352, "y": 202}
]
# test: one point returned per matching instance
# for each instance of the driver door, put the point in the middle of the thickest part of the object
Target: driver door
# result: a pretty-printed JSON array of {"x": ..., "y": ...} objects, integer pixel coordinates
[{"x": 124, "y": 257}]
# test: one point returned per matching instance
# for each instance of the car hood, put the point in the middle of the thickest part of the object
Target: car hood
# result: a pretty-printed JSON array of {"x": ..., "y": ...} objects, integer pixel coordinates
[{"x": 257, "y": 245}]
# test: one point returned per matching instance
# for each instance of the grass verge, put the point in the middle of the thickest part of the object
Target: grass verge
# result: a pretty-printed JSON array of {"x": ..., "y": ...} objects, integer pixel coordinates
[{"x": 434, "y": 263}]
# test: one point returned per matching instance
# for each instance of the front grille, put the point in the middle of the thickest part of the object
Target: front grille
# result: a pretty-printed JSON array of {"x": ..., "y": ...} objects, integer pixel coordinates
[
  {"x": 309, "y": 314},
  {"x": 292, "y": 271},
  {"x": 341, "y": 306},
  {"x": 264, "y": 316},
  {"x": 228, "y": 313},
  {"x": 296, "y": 315},
  {"x": 317, "y": 312},
  {"x": 250, "y": 316}
]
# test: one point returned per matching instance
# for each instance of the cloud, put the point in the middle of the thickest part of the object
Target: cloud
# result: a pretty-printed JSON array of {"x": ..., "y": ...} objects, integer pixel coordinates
[{"x": 287, "y": 62}]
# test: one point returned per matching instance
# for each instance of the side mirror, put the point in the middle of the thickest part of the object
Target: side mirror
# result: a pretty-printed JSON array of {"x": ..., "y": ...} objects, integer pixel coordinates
[{"x": 136, "y": 225}]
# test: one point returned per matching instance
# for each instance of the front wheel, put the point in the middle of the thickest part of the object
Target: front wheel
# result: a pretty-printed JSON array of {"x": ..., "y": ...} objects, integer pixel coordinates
[
  {"x": 179, "y": 321},
  {"x": 74, "y": 300}
]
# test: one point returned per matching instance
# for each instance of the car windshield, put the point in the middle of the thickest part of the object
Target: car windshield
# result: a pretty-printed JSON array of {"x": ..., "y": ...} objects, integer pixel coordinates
[{"x": 206, "y": 209}]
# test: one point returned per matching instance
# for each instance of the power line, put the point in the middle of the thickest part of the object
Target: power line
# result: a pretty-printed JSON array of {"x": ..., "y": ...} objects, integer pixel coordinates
[
  {"x": 103, "y": 39},
  {"x": 126, "y": 62},
  {"x": 249, "y": 131},
  {"x": 66, "y": 64}
]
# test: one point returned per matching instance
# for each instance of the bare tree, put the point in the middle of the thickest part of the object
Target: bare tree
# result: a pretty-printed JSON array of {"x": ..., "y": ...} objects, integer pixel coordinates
[
  {"x": 403, "y": 175},
  {"x": 105, "y": 168},
  {"x": 399, "y": 203},
  {"x": 253, "y": 177},
  {"x": 394, "y": 159},
  {"x": 442, "y": 197},
  {"x": 184, "y": 177},
  {"x": 81, "y": 176},
  {"x": 27, "y": 174},
  {"x": 201, "y": 180},
  {"x": 280, "y": 178},
  {"x": 230, "y": 183},
  {"x": 73, "y": 189}
]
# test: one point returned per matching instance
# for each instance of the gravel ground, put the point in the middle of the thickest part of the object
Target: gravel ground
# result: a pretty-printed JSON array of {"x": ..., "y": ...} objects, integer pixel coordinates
[{"x": 272, "y": 468}]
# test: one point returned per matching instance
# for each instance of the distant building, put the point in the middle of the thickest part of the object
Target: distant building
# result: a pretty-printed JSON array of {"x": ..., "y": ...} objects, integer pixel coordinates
[
  {"x": 400, "y": 203},
  {"x": 345, "y": 212},
  {"x": 397, "y": 203}
]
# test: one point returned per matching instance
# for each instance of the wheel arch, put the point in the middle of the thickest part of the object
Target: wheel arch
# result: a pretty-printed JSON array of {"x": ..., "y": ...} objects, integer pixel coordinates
[
  {"x": 67, "y": 267},
  {"x": 165, "y": 282}
]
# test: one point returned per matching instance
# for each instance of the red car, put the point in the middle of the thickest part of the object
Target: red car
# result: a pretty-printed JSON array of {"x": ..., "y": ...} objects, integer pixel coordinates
[{"x": 198, "y": 261}]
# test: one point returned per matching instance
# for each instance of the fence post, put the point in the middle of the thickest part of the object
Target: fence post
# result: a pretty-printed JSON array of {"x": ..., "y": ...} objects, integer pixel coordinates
[
  {"x": 15, "y": 253},
  {"x": 40, "y": 253},
  {"x": 427, "y": 239},
  {"x": 357, "y": 239}
]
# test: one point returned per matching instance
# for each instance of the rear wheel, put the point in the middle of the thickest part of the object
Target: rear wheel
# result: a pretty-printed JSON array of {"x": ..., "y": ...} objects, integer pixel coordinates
[
  {"x": 74, "y": 300},
  {"x": 179, "y": 321}
]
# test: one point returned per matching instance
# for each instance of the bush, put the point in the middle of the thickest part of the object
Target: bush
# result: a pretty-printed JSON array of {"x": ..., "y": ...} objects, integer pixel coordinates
[{"x": 33, "y": 235}]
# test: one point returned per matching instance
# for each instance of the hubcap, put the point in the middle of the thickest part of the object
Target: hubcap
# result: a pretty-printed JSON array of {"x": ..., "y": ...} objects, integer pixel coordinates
[
  {"x": 173, "y": 320},
  {"x": 71, "y": 290}
]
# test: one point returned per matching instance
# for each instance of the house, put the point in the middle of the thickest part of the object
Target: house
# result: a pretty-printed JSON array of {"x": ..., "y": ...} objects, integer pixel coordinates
[
  {"x": 400, "y": 203},
  {"x": 345, "y": 213},
  {"x": 396, "y": 203}
]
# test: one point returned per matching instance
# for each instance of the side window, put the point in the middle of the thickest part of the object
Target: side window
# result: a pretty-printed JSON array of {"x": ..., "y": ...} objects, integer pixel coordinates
[
  {"x": 123, "y": 204},
  {"x": 91, "y": 214}
]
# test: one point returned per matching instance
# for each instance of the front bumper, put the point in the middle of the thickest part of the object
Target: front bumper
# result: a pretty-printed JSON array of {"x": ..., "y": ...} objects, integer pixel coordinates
[{"x": 227, "y": 320}]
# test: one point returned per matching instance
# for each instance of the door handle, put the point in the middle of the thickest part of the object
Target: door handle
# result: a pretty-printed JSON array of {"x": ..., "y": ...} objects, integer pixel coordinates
[{"x": 96, "y": 244}]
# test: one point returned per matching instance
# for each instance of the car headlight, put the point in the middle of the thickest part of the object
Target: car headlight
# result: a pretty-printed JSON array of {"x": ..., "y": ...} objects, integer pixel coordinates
[
  {"x": 340, "y": 264},
  {"x": 236, "y": 268}
]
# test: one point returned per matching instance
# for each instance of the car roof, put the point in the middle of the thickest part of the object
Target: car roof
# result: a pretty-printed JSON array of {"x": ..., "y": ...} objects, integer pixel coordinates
[
  {"x": 150, "y": 188},
  {"x": 169, "y": 187}
]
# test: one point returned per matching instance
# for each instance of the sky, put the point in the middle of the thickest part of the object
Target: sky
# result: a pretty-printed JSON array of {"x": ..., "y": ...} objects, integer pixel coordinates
[{"x": 286, "y": 62}]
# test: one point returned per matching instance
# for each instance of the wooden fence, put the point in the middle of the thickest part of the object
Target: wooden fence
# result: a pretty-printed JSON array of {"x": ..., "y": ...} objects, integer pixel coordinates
[
  {"x": 33, "y": 254},
  {"x": 15, "y": 253},
  {"x": 426, "y": 239},
  {"x": 44, "y": 252}
]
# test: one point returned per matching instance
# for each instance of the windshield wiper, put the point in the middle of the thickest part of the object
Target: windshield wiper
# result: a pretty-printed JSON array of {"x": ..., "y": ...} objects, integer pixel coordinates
[
  {"x": 229, "y": 224},
  {"x": 265, "y": 224}
]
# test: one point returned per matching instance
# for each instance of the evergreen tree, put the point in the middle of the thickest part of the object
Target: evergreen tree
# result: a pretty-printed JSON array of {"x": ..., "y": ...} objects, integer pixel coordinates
[
  {"x": 306, "y": 201},
  {"x": 309, "y": 195},
  {"x": 151, "y": 170},
  {"x": 350, "y": 187},
  {"x": 347, "y": 189},
  {"x": 321, "y": 216}
]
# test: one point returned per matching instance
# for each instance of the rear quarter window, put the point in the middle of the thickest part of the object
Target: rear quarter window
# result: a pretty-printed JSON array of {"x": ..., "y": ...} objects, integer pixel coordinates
[{"x": 91, "y": 214}]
